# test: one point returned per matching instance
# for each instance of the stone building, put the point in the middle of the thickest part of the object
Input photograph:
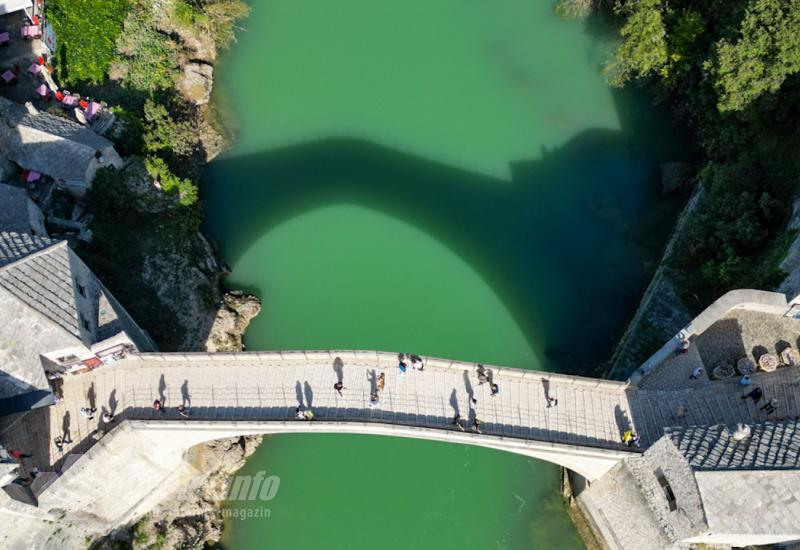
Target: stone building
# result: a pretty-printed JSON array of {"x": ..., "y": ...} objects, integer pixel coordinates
[
  {"x": 55, "y": 146},
  {"x": 703, "y": 485},
  {"x": 58, "y": 318},
  {"x": 10, "y": 6}
]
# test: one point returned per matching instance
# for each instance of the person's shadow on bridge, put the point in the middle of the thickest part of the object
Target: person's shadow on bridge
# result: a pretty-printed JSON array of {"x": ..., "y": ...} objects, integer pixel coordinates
[
  {"x": 338, "y": 368},
  {"x": 372, "y": 376},
  {"x": 91, "y": 397},
  {"x": 454, "y": 403},
  {"x": 298, "y": 392},
  {"x": 309, "y": 393},
  {"x": 112, "y": 402},
  {"x": 66, "y": 436},
  {"x": 468, "y": 387},
  {"x": 623, "y": 422},
  {"x": 162, "y": 390},
  {"x": 186, "y": 399}
]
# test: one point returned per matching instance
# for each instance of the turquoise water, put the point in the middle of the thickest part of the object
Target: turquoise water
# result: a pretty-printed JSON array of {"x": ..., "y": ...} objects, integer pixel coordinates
[{"x": 451, "y": 178}]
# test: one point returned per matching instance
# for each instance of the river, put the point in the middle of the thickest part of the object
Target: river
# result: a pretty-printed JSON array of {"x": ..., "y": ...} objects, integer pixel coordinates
[{"x": 449, "y": 178}]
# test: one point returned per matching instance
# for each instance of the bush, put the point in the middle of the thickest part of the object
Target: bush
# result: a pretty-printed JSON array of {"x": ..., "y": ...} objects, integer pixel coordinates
[
  {"x": 148, "y": 59},
  {"x": 725, "y": 241},
  {"x": 128, "y": 132},
  {"x": 164, "y": 133},
  {"x": 169, "y": 182},
  {"x": 87, "y": 31},
  {"x": 214, "y": 17}
]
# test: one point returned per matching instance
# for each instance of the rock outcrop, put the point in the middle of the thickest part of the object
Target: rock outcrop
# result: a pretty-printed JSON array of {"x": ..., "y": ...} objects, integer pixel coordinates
[
  {"x": 190, "y": 518},
  {"x": 196, "y": 82},
  {"x": 233, "y": 318}
]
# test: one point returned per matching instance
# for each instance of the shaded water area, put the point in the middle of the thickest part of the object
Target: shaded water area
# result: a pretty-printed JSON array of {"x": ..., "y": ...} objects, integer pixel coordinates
[{"x": 451, "y": 179}]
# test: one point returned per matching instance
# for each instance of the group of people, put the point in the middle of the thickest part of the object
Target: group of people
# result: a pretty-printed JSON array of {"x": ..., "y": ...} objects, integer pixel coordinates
[
  {"x": 415, "y": 360},
  {"x": 756, "y": 394},
  {"x": 158, "y": 406},
  {"x": 484, "y": 376}
]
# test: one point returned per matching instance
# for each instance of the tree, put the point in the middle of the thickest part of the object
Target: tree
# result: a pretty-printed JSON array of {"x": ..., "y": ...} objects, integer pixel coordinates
[
  {"x": 767, "y": 52},
  {"x": 644, "y": 43}
]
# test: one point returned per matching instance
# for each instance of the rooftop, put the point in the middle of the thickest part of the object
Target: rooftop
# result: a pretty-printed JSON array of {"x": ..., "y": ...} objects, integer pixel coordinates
[
  {"x": 50, "y": 144},
  {"x": 772, "y": 445}
]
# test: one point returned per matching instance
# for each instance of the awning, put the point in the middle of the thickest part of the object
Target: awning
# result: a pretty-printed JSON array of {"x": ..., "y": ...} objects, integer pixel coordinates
[{"x": 8, "y": 6}]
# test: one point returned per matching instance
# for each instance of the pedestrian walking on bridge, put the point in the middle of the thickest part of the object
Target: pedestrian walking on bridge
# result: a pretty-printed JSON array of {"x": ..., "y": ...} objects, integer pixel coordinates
[
  {"x": 770, "y": 406},
  {"x": 755, "y": 394}
]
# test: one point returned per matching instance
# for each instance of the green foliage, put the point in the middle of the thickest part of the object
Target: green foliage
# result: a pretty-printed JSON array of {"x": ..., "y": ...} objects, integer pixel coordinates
[
  {"x": 730, "y": 67},
  {"x": 571, "y": 9},
  {"x": 725, "y": 239},
  {"x": 169, "y": 182},
  {"x": 87, "y": 31},
  {"x": 681, "y": 41},
  {"x": 643, "y": 50},
  {"x": 164, "y": 133},
  {"x": 767, "y": 51},
  {"x": 216, "y": 18},
  {"x": 148, "y": 59},
  {"x": 129, "y": 132}
]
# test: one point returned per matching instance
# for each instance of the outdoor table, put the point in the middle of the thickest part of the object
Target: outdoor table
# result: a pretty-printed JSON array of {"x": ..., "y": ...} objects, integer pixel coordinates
[
  {"x": 768, "y": 362},
  {"x": 8, "y": 76},
  {"x": 70, "y": 100},
  {"x": 5, "y": 38},
  {"x": 33, "y": 176},
  {"x": 31, "y": 31},
  {"x": 35, "y": 68},
  {"x": 722, "y": 371},
  {"x": 790, "y": 357},
  {"x": 92, "y": 110},
  {"x": 41, "y": 90}
]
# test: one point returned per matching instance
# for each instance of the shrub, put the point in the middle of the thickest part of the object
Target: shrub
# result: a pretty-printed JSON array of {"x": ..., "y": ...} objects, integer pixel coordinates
[
  {"x": 214, "y": 17},
  {"x": 163, "y": 132},
  {"x": 169, "y": 182},
  {"x": 148, "y": 59}
]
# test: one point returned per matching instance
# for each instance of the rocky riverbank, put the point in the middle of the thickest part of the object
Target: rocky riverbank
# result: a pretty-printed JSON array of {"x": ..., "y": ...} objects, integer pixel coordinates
[
  {"x": 166, "y": 272},
  {"x": 192, "y": 517}
]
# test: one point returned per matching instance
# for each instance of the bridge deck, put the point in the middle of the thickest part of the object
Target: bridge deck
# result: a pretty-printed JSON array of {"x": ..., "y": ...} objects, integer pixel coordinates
[
  {"x": 589, "y": 412},
  {"x": 268, "y": 387}
]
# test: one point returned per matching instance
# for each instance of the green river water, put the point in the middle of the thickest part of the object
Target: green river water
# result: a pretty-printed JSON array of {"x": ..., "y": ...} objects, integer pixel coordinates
[{"x": 449, "y": 178}]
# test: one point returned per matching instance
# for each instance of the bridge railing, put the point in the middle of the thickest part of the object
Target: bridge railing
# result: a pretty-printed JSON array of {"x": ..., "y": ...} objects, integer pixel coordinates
[
  {"x": 379, "y": 359},
  {"x": 431, "y": 413}
]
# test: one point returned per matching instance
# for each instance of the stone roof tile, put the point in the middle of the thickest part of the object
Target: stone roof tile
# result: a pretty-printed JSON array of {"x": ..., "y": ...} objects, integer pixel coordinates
[{"x": 772, "y": 445}]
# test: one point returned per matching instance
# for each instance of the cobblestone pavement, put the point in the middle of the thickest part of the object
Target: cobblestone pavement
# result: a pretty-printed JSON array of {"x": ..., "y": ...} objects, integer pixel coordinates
[{"x": 715, "y": 402}]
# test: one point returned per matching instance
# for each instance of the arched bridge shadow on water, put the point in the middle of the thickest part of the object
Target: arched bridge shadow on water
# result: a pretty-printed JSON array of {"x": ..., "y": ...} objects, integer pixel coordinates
[{"x": 568, "y": 244}]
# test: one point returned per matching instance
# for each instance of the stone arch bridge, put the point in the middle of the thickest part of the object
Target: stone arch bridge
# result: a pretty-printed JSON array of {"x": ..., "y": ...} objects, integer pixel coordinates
[{"x": 141, "y": 453}]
